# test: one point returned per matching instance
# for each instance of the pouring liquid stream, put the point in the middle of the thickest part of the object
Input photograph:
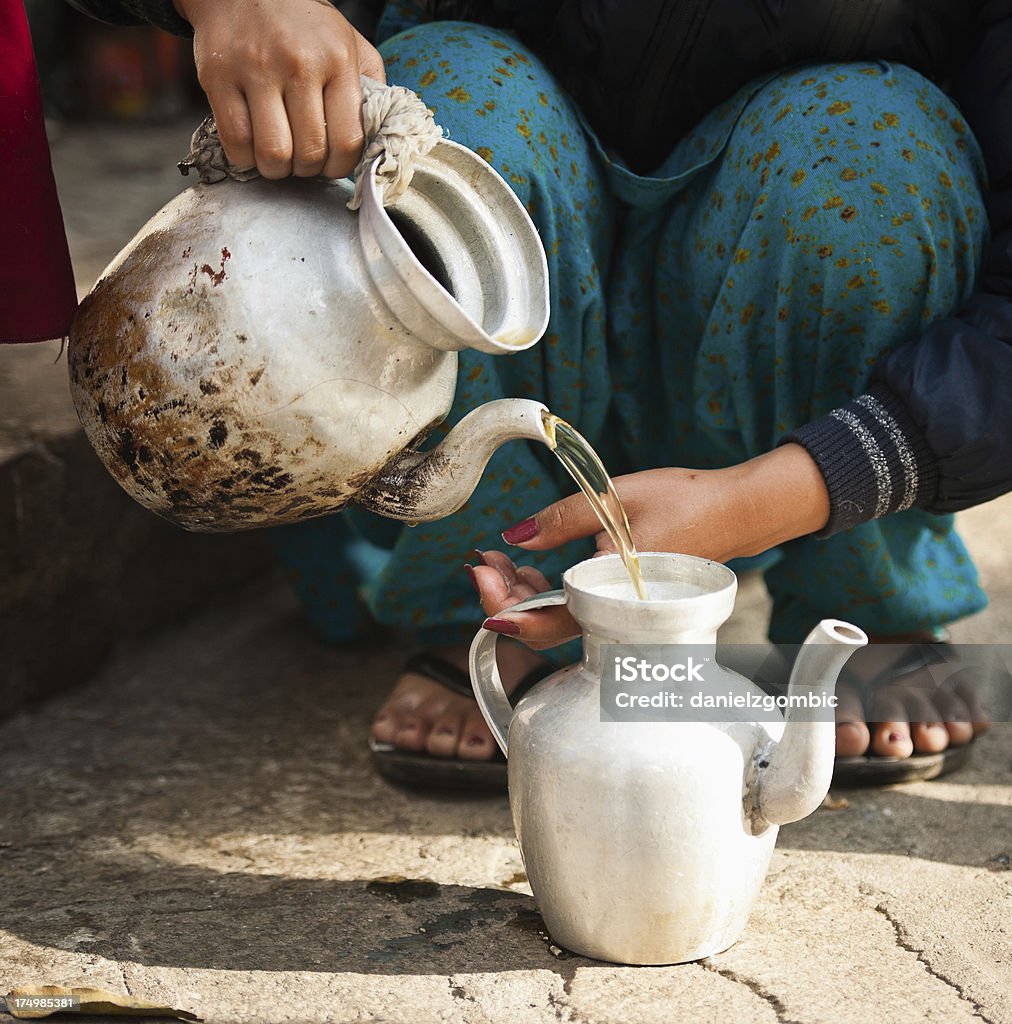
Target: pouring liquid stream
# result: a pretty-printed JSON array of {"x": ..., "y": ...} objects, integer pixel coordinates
[{"x": 582, "y": 463}]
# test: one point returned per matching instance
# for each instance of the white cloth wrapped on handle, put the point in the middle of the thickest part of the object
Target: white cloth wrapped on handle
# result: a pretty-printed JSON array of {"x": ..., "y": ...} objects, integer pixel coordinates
[{"x": 397, "y": 125}]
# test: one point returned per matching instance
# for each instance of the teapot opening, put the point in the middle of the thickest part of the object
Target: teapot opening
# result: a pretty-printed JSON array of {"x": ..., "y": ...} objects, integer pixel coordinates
[{"x": 421, "y": 248}]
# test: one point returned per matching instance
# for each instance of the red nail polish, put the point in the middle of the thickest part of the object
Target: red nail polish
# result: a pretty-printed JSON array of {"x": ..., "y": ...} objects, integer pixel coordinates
[
  {"x": 471, "y": 576},
  {"x": 521, "y": 532},
  {"x": 895, "y": 737},
  {"x": 503, "y": 626},
  {"x": 475, "y": 741}
]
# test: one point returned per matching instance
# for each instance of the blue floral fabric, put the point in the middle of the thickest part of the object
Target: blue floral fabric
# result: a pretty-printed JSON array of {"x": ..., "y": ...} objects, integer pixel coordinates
[{"x": 813, "y": 221}]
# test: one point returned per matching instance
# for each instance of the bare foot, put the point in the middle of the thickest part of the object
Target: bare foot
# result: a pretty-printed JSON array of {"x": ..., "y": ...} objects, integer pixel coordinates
[
  {"x": 424, "y": 716},
  {"x": 913, "y": 713}
]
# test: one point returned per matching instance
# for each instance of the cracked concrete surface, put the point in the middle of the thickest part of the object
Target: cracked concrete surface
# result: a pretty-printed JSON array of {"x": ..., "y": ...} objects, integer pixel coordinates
[{"x": 201, "y": 825}]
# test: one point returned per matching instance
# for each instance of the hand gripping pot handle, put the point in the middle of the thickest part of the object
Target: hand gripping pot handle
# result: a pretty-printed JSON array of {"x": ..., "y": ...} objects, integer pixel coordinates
[{"x": 488, "y": 689}]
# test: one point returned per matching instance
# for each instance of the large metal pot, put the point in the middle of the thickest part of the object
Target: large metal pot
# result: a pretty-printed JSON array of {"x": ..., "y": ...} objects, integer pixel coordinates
[{"x": 259, "y": 354}]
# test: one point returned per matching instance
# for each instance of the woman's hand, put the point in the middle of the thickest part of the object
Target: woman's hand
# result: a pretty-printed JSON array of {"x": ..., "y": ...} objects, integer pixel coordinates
[
  {"x": 719, "y": 514},
  {"x": 282, "y": 77}
]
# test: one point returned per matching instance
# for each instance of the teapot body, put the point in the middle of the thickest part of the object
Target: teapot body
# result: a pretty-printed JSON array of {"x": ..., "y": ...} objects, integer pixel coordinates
[
  {"x": 635, "y": 835},
  {"x": 259, "y": 353}
]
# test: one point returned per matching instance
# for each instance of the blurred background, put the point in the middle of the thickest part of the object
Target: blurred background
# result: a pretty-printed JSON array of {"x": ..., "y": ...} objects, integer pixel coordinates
[{"x": 92, "y": 71}]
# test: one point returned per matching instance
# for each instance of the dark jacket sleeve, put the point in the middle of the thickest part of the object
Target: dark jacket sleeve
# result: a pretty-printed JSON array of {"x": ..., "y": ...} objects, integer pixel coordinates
[
  {"x": 136, "y": 12},
  {"x": 935, "y": 428},
  {"x": 361, "y": 13}
]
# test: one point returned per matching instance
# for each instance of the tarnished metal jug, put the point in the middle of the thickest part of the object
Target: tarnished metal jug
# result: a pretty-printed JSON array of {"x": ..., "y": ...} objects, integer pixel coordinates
[
  {"x": 647, "y": 842},
  {"x": 259, "y": 354}
]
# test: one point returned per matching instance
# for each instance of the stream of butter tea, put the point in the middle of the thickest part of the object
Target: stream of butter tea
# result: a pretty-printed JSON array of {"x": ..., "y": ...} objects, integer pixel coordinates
[{"x": 582, "y": 463}]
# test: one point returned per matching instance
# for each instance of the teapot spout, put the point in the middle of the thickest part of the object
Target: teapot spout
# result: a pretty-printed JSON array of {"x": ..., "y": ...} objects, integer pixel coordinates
[
  {"x": 423, "y": 486},
  {"x": 794, "y": 775}
]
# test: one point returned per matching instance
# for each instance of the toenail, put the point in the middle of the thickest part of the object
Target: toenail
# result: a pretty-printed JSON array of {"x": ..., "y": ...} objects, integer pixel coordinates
[
  {"x": 475, "y": 741},
  {"x": 895, "y": 737},
  {"x": 381, "y": 717},
  {"x": 445, "y": 730}
]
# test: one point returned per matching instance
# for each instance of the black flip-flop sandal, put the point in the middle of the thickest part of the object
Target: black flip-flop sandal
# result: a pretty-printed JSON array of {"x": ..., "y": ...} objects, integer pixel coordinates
[
  {"x": 876, "y": 770},
  {"x": 421, "y": 770}
]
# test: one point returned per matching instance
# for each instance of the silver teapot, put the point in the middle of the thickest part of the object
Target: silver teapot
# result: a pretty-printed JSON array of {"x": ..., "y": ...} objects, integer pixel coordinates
[
  {"x": 258, "y": 354},
  {"x": 647, "y": 842}
]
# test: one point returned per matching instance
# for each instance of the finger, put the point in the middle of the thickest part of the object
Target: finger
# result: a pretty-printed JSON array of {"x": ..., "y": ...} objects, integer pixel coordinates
[
  {"x": 605, "y": 545},
  {"x": 235, "y": 127},
  {"x": 493, "y": 590},
  {"x": 566, "y": 520},
  {"x": 308, "y": 126},
  {"x": 496, "y": 592},
  {"x": 504, "y": 564},
  {"x": 370, "y": 63},
  {"x": 545, "y": 627},
  {"x": 342, "y": 104},
  {"x": 534, "y": 577},
  {"x": 272, "y": 137}
]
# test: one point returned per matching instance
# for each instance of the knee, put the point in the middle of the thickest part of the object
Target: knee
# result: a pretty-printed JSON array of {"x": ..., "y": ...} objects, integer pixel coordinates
[
  {"x": 866, "y": 167},
  {"x": 470, "y": 76}
]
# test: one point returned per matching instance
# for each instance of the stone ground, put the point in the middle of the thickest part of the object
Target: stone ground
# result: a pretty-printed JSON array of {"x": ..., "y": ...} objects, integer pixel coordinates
[{"x": 200, "y": 823}]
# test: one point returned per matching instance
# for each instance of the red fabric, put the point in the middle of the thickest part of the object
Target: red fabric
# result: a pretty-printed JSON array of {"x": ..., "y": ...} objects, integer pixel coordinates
[{"x": 37, "y": 295}]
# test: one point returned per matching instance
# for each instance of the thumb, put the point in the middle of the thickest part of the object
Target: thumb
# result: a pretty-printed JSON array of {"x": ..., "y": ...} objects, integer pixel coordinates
[{"x": 566, "y": 520}]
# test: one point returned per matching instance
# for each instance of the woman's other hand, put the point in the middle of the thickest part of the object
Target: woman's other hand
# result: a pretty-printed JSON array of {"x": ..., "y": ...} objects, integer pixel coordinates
[
  {"x": 282, "y": 77},
  {"x": 720, "y": 514}
]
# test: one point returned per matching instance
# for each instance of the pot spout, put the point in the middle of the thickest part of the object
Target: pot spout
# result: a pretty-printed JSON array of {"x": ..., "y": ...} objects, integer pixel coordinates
[
  {"x": 423, "y": 486},
  {"x": 794, "y": 774}
]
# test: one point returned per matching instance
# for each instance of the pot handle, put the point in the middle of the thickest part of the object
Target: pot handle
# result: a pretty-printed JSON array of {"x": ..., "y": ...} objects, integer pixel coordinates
[{"x": 488, "y": 690}]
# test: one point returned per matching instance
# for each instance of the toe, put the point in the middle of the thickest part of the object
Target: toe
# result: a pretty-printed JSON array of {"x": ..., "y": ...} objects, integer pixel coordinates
[
  {"x": 929, "y": 737},
  {"x": 384, "y": 726},
  {"x": 960, "y": 733},
  {"x": 969, "y": 693},
  {"x": 412, "y": 734},
  {"x": 852, "y": 736},
  {"x": 445, "y": 735},
  {"x": 892, "y": 739},
  {"x": 476, "y": 743},
  {"x": 955, "y": 716},
  {"x": 926, "y": 730}
]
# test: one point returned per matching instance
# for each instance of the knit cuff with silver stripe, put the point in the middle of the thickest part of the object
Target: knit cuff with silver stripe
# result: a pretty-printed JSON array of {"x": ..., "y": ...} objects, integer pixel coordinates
[{"x": 874, "y": 459}]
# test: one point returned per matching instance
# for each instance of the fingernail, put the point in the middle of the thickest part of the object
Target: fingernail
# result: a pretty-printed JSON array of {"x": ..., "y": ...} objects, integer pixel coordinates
[
  {"x": 503, "y": 626},
  {"x": 521, "y": 532},
  {"x": 478, "y": 557},
  {"x": 471, "y": 576}
]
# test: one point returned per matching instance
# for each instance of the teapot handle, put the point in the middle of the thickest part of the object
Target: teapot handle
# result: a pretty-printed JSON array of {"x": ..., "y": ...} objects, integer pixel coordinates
[{"x": 488, "y": 690}]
